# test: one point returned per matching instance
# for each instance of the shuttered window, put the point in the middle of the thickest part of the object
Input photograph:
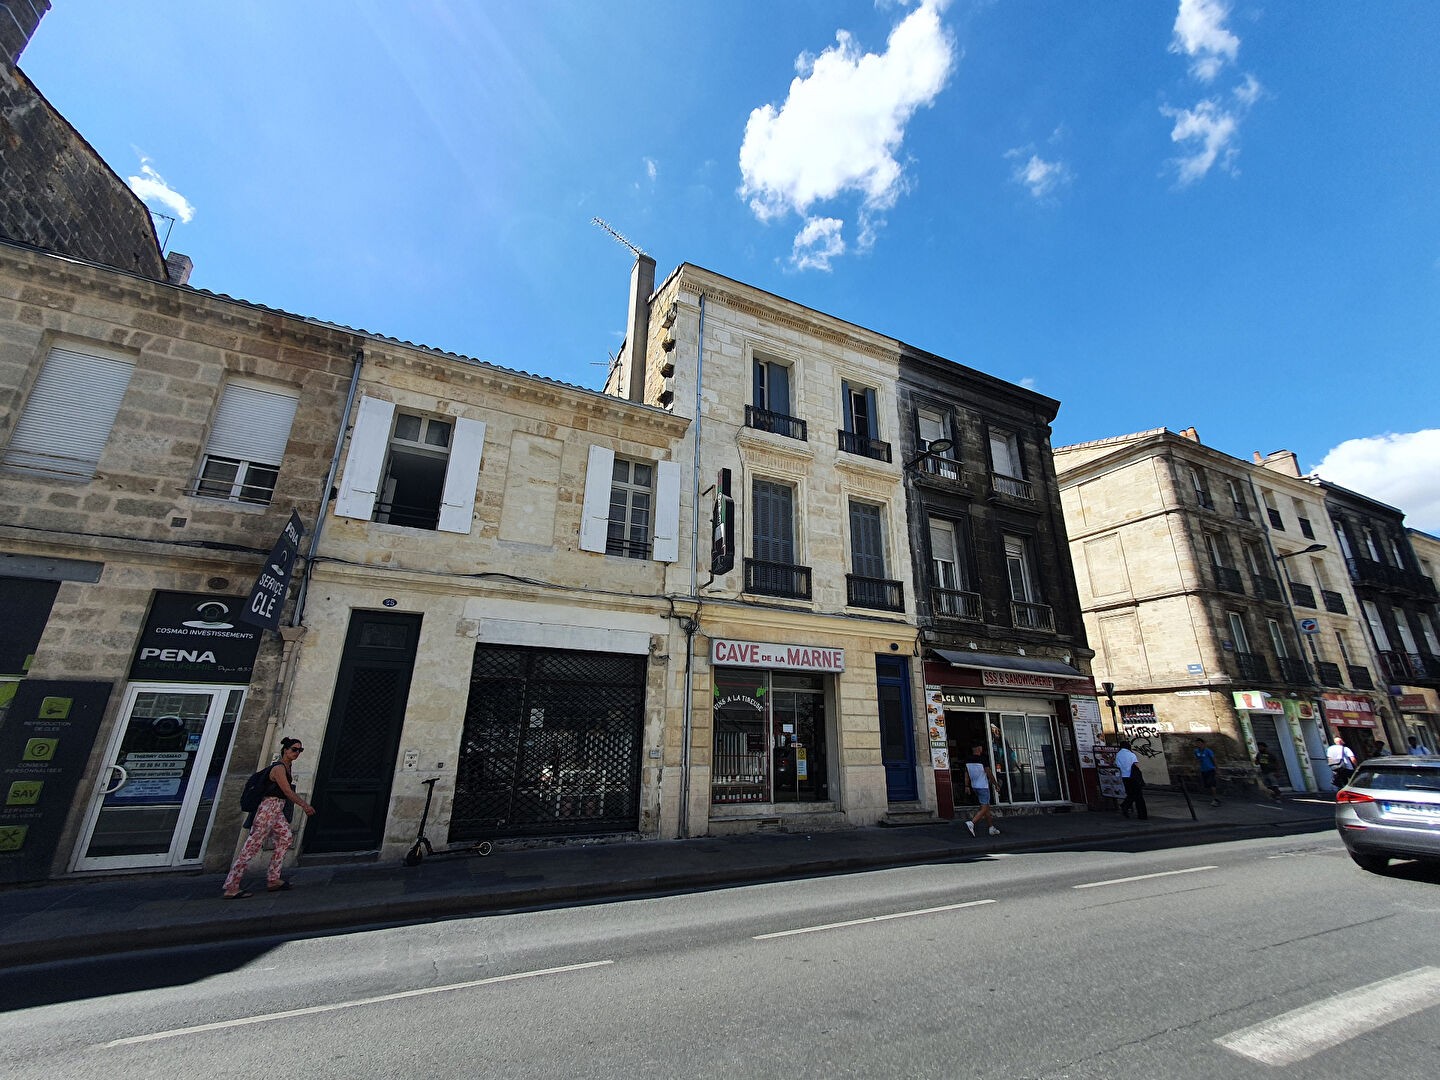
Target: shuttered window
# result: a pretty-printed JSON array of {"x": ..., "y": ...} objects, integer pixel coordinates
[
  {"x": 773, "y": 523},
  {"x": 67, "y": 419},
  {"x": 247, "y": 442},
  {"x": 867, "y": 544}
]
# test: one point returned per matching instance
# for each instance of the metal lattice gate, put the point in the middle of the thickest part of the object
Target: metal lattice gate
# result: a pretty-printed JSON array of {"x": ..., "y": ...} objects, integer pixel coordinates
[{"x": 551, "y": 744}]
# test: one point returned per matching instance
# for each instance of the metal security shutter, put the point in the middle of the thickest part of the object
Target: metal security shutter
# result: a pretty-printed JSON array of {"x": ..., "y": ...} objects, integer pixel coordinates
[
  {"x": 253, "y": 423},
  {"x": 68, "y": 417}
]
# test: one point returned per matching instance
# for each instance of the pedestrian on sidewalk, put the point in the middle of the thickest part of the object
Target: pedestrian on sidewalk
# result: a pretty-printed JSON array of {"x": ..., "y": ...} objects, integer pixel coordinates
[
  {"x": 1129, "y": 765},
  {"x": 271, "y": 819},
  {"x": 1209, "y": 776},
  {"x": 979, "y": 781},
  {"x": 1341, "y": 760},
  {"x": 1417, "y": 748},
  {"x": 1266, "y": 764}
]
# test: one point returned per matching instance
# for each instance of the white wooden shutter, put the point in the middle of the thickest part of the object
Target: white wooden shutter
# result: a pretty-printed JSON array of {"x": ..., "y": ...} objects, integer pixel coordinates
[
  {"x": 667, "y": 512},
  {"x": 462, "y": 474},
  {"x": 252, "y": 423},
  {"x": 595, "y": 514},
  {"x": 368, "y": 441},
  {"x": 68, "y": 416}
]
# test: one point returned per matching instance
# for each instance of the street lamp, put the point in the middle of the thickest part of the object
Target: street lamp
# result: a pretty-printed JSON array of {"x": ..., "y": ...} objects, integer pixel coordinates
[
  {"x": 1303, "y": 551},
  {"x": 1109, "y": 688},
  {"x": 939, "y": 446}
]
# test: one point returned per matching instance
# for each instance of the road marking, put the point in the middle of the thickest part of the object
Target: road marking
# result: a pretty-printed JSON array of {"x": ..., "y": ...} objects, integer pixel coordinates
[
  {"x": 313, "y": 1010},
  {"x": 871, "y": 919},
  {"x": 1143, "y": 877},
  {"x": 1304, "y": 1032}
]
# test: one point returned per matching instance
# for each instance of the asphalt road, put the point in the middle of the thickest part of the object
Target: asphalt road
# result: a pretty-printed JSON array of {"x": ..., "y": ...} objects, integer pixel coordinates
[{"x": 1249, "y": 958}]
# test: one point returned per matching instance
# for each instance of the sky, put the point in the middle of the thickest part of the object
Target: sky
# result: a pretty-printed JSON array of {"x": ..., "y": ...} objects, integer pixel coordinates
[{"x": 1210, "y": 213}]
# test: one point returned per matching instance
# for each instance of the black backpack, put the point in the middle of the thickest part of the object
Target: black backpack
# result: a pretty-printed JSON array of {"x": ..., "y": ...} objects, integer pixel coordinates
[{"x": 254, "y": 789}]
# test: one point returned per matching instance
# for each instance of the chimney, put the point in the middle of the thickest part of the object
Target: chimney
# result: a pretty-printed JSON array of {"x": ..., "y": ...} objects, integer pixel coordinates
[
  {"x": 18, "y": 19},
  {"x": 1191, "y": 434},
  {"x": 637, "y": 328},
  {"x": 178, "y": 267},
  {"x": 1259, "y": 458},
  {"x": 1281, "y": 461}
]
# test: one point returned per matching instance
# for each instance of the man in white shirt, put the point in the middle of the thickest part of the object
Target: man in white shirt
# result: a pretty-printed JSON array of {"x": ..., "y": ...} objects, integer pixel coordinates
[
  {"x": 1341, "y": 760},
  {"x": 1129, "y": 765},
  {"x": 978, "y": 779}
]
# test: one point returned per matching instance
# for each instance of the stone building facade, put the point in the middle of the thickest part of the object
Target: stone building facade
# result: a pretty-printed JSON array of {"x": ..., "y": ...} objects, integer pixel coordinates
[{"x": 1419, "y": 706}]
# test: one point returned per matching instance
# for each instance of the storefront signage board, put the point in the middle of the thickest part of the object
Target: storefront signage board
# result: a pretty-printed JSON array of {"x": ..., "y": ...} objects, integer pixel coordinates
[
  {"x": 1257, "y": 701},
  {"x": 195, "y": 638},
  {"x": 1413, "y": 703},
  {"x": 727, "y": 653},
  {"x": 1016, "y": 680},
  {"x": 1085, "y": 717},
  {"x": 935, "y": 728}
]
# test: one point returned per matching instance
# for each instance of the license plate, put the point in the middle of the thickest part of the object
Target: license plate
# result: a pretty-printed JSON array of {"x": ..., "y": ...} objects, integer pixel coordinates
[{"x": 1423, "y": 811}]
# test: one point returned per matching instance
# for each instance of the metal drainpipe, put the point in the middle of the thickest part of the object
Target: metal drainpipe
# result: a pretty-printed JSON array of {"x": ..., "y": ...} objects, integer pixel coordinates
[{"x": 692, "y": 625}]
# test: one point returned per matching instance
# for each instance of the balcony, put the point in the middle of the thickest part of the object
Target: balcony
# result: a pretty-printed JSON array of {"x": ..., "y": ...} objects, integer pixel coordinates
[
  {"x": 946, "y": 468},
  {"x": 864, "y": 446},
  {"x": 1267, "y": 588},
  {"x": 1360, "y": 677},
  {"x": 1371, "y": 572},
  {"x": 954, "y": 604},
  {"x": 765, "y": 420},
  {"x": 1025, "y": 616},
  {"x": 1276, "y": 521},
  {"x": 1330, "y": 674},
  {"x": 1012, "y": 486},
  {"x": 1333, "y": 601},
  {"x": 1292, "y": 670},
  {"x": 1253, "y": 668},
  {"x": 1423, "y": 665},
  {"x": 875, "y": 593},
  {"x": 1395, "y": 667},
  {"x": 1303, "y": 595},
  {"x": 777, "y": 579},
  {"x": 1228, "y": 578}
]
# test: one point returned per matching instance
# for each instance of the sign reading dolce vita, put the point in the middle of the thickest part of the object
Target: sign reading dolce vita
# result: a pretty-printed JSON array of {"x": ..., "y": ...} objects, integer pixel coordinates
[{"x": 727, "y": 653}]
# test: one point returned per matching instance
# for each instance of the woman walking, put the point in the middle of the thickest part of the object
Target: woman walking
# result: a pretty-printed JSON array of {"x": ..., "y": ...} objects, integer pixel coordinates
[{"x": 271, "y": 819}]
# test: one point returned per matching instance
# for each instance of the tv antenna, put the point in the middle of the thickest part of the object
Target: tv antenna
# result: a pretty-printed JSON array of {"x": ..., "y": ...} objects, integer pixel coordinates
[{"x": 619, "y": 237}]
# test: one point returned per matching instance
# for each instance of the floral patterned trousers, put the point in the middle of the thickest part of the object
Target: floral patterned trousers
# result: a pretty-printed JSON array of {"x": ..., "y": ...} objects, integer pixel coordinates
[{"x": 269, "y": 821}]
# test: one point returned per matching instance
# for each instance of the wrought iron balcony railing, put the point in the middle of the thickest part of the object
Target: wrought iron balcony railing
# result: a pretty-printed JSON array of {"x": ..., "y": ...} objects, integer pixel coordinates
[
  {"x": 1012, "y": 486},
  {"x": 1330, "y": 674},
  {"x": 1333, "y": 601},
  {"x": 1031, "y": 616},
  {"x": 777, "y": 579},
  {"x": 1395, "y": 667},
  {"x": 1360, "y": 677},
  {"x": 1292, "y": 670},
  {"x": 1228, "y": 578},
  {"x": 955, "y": 604},
  {"x": 1267, "y": 588},
  {"x": 863, "y": 445},
  {"x": 1303, "y": 595},
  {"x": 1370, "y": 572},
  {"x": 764, "y": 420},
  {"x": 1253, "y": 668},
  {"x": 946, "y": 468},
  {"x": 874, "y": 593}
]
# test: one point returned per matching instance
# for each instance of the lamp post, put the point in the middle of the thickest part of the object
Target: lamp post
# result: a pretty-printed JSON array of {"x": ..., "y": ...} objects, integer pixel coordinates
[
  {"x": 1109, "y": 688},
  {"x": 939, "y": 446},
  {"x": 1312, "y": 670}
]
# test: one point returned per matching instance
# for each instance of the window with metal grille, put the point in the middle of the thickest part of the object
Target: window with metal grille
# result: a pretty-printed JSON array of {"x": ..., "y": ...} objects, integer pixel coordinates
[
  {"x": 247, "y": 443},
  {"x": 66, "y": 422},
  {"x": 631, "y": 509}
]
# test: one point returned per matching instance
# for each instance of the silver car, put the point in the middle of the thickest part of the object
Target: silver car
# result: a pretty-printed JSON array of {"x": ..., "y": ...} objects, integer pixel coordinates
[{"x": 1391, "y": 809}]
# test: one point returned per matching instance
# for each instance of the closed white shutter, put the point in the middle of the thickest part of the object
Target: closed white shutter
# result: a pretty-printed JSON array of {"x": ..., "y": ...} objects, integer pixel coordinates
[
  {"x": 595, "y": 514},
  {"x": 667, "y": 512},
  {"x": 253, "y": 423},
  {"x": 462, "y": 474},
  {"x": 68, "y": 416},
  {"x": 368, "y": 442}
]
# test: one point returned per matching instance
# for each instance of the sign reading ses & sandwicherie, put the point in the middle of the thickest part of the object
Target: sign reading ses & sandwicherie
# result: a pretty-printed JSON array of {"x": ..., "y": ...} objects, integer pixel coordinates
[{"x": 727, "y": 653}]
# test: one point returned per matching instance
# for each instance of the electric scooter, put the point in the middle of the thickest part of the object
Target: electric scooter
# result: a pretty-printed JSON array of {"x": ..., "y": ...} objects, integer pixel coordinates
[{"x": 423, "y": 849}]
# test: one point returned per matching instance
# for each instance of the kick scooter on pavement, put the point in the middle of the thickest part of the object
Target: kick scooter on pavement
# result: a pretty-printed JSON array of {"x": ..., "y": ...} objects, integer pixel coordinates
[{"x": 423, "y": 849}]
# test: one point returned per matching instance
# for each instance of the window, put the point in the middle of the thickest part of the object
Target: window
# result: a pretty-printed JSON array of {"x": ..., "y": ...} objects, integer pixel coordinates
[
  {"x": 951, "y": 594},
  {"x": 1427, "y": 630},
  {"x": 1027, "y": 612},
  {"x": 1371, "y": 545},
  {"x": 1276, "y": 521},
  {"x": 1202, "y": 493},
  {"x": 1343, "y": 538},
  {"x": 1377, "y": 627},
  {"x": 407, "y": 469},
  {"x": 931, "y": 426},
  {"x": 247, "y": 443},
  {"x": 1307, "y": 530},
  {"x": 868, "y": 584},
  {"x": 1396, "y": 551},
  {"x": 1253, "y": 558},
  {"x": 66, "y": 422},
  {"x": 1237, "y": 497},
  {"x": 861, "y": 434},
  {"x": 1219, "y": 554},
  {"x": 1342, "y": 642},
  {"x": 1005, "y": 454},
  {"x": 1238, "y": 637},
  {"x": 1277, "y": 639},
  {"x": 772, "y": 570},
  {"x": 632, "y": 508},
  {"x": 631, "y": 502},
  {"x": 771, "y": 407},
  {"x": 1402, "y": 626}
]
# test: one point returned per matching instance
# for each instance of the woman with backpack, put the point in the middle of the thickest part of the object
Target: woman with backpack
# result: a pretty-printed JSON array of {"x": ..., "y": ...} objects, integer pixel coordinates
[{"x": 271, "y": 818}]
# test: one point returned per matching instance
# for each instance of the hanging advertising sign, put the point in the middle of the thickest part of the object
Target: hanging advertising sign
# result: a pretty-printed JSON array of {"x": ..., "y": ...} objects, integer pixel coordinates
[
  {"x": 1257, "y": 701},
  {"x": 267, "y": 596},
  {"x": 195, "y": 638}
]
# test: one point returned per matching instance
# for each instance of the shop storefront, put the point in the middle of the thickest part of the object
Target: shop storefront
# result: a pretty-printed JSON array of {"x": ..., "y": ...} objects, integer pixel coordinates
[
  {"x": 1353, "y": 718},
  {"x": 1419, "y": 716},
  {"x": 1017, "y": 710},
  {"x": 1290, "y": 729}
]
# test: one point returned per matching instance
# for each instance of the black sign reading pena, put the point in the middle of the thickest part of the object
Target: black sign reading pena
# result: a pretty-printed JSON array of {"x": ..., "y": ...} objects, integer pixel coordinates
[
  {"x": 45, "y": 742},
  {"x": 267, "y": 598},
  {"x": 195, "y": 638}
]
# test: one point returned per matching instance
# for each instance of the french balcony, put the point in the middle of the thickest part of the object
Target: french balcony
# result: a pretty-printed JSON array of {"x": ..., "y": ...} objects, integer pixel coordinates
[
  {"x": 1360, "y": 677},
  {"x": 1253, "y": 667},
  {"x": 1267, "y": 588},
  {"x": 955, "y": 604},
  {"x": 1371, "y": 572},
  {"x": 764, "y": 420},
  {"x": 864, "y": 446},
  {"x": 875, "y": 593},
  {"x": 1012, "y": 486},
  {"x": 777, "y": 579},
  {"x": 1292, "y": 670},
  {"x": 1303, "y": 595},
  {"x": 1228, "y": 579},
  {"x": 947, "y": 468},
  {"x": 1204, "y": 499},
  {"x": 1026, "y": 616},
  {"x": 1423, "y": 665},
  {"x": 1276, "y": 521},
  {"x": 1395, "y": 667},
  {"x": 1330, "y": 674},
  {"x": 1334, "y": 602}
]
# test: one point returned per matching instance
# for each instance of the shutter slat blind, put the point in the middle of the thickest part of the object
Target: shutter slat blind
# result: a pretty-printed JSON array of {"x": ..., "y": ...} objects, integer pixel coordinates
[
  {"x": 252, "y": 423},
  {"x": 867, "y": 556},
  {"x": 68, "y": 417}
]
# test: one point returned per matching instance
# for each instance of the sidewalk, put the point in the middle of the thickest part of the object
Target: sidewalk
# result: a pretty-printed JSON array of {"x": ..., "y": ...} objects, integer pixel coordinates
[{"x": 109, "y": 915}]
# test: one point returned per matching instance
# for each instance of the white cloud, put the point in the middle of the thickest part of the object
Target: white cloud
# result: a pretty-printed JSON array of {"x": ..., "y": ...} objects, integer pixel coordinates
[
  {"x": 150, "y": 187},
  {"x": 1041, "y": 177},
  {"x": 651, "y": 169},
  {"x": 1400, "y": 469},
  {"x": 1200, "y": 34},
  {"x": 817, "y": 243},
  {"x": 843, "y": 121},
  {"x": 1212, "y": 128}
]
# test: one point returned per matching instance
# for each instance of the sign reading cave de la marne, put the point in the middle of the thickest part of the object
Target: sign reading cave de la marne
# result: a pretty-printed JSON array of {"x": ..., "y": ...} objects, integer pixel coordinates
[{"x": 727, "y": 653}]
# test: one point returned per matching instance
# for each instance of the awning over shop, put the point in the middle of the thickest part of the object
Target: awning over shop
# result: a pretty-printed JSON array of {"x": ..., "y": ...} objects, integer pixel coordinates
[{"x": 1020, "y": 665}]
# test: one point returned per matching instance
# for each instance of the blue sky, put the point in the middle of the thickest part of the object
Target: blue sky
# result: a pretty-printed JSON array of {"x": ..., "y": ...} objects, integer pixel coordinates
[{"x": 1218, "y": 213}]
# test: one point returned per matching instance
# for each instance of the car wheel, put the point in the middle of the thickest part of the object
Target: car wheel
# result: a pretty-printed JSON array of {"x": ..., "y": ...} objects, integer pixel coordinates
[{"x": 1376, "y": 864}]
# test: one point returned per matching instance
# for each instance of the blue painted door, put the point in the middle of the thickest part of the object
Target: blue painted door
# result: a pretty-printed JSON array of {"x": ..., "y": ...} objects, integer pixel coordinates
[{"x": 897, "y": 729}]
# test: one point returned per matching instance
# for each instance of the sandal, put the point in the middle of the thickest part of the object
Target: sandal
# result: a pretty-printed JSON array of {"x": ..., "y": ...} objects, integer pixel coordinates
[
  {"x": 284, "y": 886},
  {"x": 241, "y": 895}
]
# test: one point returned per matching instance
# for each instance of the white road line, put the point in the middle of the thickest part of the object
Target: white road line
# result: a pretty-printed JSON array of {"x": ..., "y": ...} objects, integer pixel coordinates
[
  {"x": 871, "y": 919},
  {"x": 312, "y": 1010},
  {"x": 1143, "y": 877},
  {"x": 1304, "y": 1032}
]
